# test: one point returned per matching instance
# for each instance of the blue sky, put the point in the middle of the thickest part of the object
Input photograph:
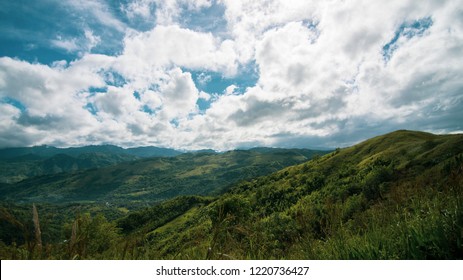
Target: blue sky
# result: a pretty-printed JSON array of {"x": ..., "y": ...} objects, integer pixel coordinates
[{"x": 223, "y": 74}]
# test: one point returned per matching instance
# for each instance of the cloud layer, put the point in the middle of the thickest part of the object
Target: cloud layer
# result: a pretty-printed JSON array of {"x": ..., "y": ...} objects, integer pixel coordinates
[{"x": 328, "y": 74}]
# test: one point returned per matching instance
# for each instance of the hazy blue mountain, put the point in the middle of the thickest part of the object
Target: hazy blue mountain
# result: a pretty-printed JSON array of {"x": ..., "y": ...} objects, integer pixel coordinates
[{"x": 49, "y": 151}]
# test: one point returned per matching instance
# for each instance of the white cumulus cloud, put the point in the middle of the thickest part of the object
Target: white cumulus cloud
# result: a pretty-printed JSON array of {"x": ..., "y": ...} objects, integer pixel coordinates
[{"x": 329, "y": 74}]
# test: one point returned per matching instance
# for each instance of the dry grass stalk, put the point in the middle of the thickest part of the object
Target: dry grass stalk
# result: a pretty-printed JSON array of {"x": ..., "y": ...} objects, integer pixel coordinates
[
  {"x": 73, "y": 240},
  {"x": 38, "y": 233}
]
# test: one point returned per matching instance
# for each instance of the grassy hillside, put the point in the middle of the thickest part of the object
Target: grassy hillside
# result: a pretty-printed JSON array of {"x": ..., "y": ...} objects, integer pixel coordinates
[{"x": 397, "y": 196}]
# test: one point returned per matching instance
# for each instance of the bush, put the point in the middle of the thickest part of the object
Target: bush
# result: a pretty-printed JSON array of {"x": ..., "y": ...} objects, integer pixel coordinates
[
  {"x": 374, "y": 182},
  {"x": 91, "y": 237}
]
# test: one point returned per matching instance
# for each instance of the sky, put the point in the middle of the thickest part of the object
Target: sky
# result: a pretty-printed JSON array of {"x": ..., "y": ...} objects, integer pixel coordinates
[{"x": 227, "y": 74}]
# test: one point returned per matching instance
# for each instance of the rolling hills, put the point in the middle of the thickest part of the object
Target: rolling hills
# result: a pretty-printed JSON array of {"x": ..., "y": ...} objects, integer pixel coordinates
[
  {"x": 395, "y": 196},
  {"x": 143, "y": 182},
  {"x": 17, "y": 164}
]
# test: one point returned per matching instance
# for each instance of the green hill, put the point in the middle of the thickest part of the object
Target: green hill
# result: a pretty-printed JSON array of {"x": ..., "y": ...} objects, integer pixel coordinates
[{"x": 396, "y": 196}]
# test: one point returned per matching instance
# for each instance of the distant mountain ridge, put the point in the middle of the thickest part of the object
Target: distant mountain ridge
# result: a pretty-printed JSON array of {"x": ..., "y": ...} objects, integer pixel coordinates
[
  {"x": 50, "y": 151},
  {"x": 152, "y": 179},
  {"x": 17, "y": 164}
]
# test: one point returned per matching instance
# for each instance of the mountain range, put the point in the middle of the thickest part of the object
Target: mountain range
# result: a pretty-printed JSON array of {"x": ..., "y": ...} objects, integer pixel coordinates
[
  {"x": 130, "y": 181},
  {"x": 50, "y": 151},
  {"x": 17, "y": 164}
]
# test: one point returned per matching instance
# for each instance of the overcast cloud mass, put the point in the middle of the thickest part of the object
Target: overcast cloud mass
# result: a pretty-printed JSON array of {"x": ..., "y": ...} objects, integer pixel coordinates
[{"x": 224, "y": 74}]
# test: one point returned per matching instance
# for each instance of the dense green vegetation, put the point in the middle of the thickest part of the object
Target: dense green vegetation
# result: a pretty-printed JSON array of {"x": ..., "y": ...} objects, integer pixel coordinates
[
  {"x": 17, "y": 164},
  {"x": 397, "y": 196},
  {"x": 145, "y": 182},
  {"x": 20, "y": 168}
]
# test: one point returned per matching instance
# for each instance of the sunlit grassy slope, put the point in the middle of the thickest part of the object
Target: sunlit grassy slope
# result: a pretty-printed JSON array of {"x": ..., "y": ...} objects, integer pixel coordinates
[{"x": 397, "y": 196}]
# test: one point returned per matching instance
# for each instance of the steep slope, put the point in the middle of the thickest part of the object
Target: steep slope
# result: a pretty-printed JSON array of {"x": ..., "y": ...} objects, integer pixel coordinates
[
  {"x": 152, "y": 180},
  {"x": 397, "y": 196}
]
